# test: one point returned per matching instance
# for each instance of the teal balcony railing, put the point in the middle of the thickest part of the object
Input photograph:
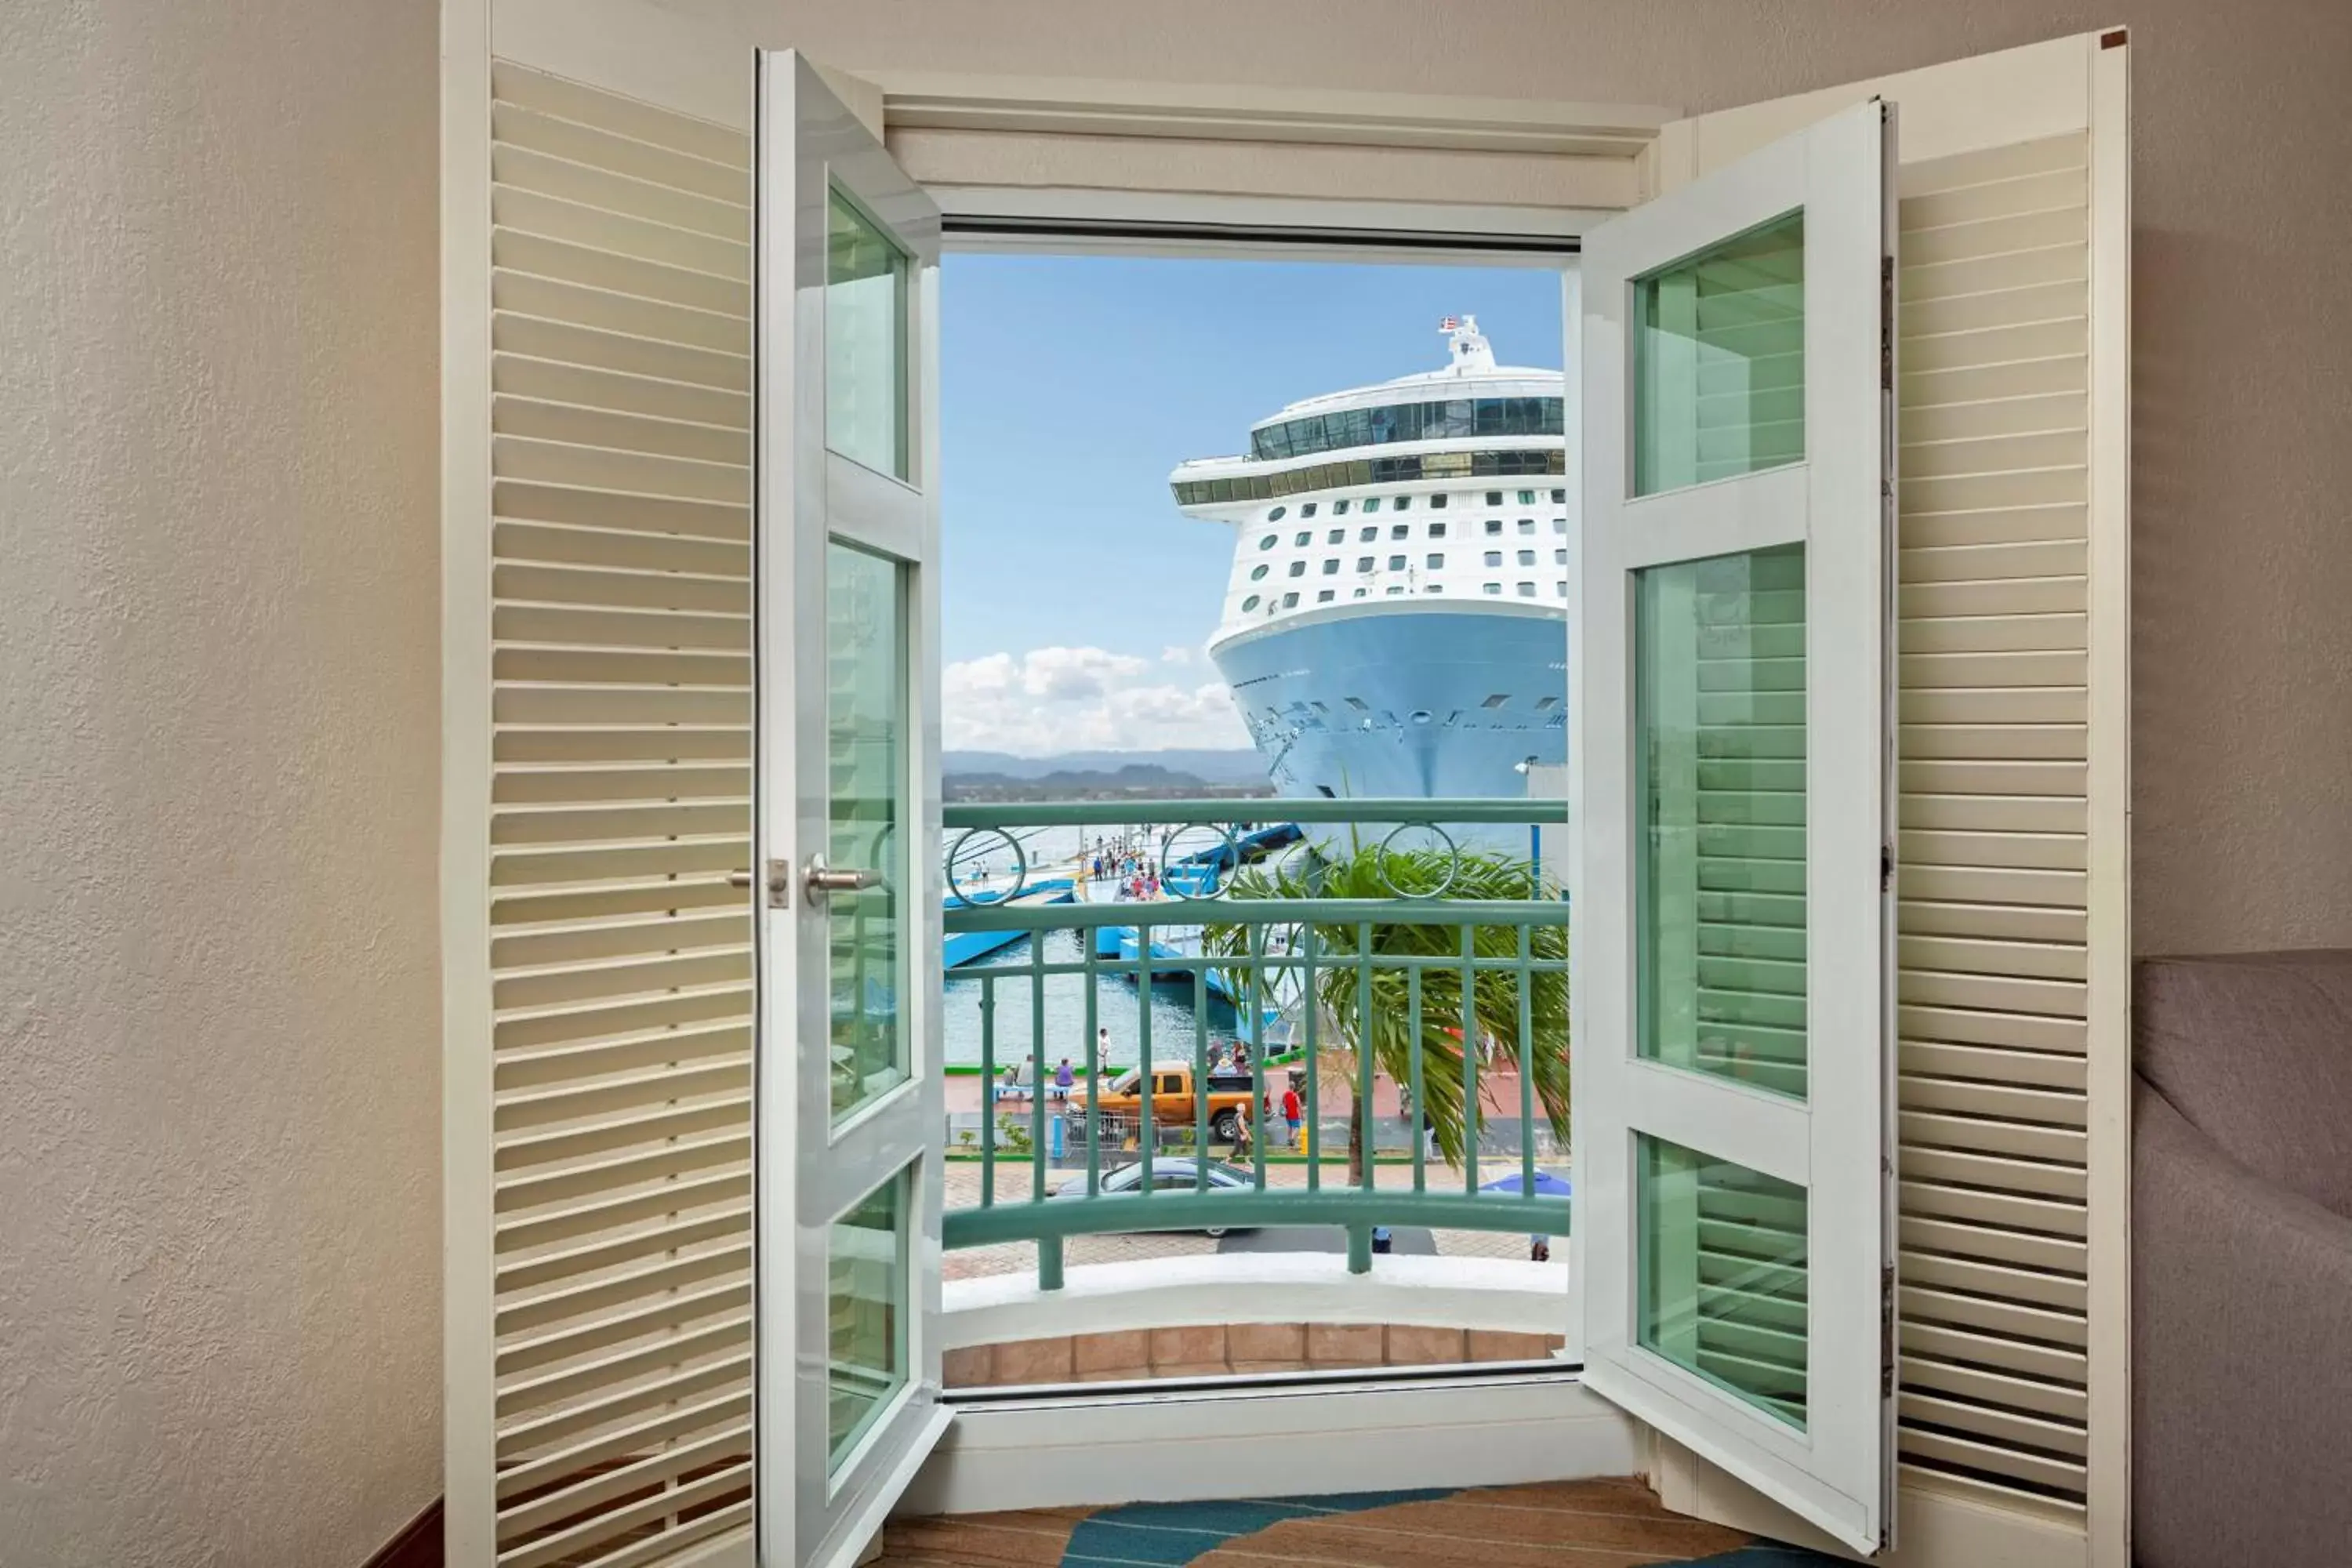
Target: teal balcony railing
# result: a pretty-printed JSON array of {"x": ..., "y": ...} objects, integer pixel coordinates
[{"x": 1407, "y": 957}]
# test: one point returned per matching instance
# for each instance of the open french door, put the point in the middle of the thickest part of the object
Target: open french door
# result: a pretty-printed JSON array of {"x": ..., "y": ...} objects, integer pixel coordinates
[
  {"x": 846, "y": 815},
  {"x": 1731, "y": 764}
]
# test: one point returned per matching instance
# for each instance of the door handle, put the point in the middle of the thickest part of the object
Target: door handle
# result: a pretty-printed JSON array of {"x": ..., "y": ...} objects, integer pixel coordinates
[
  {"x": 822, "y": 878},
  {"x": 779, "y": 882}
]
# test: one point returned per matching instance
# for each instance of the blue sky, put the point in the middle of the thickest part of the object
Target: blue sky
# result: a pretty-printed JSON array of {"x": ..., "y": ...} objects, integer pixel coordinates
[{"x": 1075, "y": 597}]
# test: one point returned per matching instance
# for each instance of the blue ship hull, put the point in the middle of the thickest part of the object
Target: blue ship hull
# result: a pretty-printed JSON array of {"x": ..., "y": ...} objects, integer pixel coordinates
[{"x": 1403, "y": 698}]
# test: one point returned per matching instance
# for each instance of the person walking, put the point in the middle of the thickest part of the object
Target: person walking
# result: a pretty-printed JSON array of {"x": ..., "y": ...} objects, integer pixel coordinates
[{"x": 1291, "y": 1111}]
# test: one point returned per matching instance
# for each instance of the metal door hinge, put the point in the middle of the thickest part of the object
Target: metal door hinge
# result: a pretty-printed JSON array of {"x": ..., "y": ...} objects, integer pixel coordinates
[
  {"x": 1886, "y": 1331},
  {"x": 1886, "y": 323},
  {"x": 780, "y": 883}
]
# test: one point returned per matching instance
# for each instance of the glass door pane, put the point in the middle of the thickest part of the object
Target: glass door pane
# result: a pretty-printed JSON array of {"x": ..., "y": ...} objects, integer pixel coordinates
[
  {"x": 1722, "y": 1274},
  {"x": 1719, "y": 712},
  {"x": 866, "y": 780},
  {"x": 865, "y": 340},
  {"x": 1719, "y": 361},
  {"x": 865, "y": 1295}
]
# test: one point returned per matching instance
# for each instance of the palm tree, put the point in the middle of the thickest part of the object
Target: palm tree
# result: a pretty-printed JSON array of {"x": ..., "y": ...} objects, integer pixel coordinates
[{"x": 1370, "y": 871}]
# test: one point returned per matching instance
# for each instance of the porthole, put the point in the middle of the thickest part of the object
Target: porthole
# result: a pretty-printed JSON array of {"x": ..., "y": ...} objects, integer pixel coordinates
[
  {"x": 1269, "y": 541},
  {"x": 1422, "y": 715},
  {"x": 1249, "y": 603},
  {"x": 1277, "y": 514},
  {"x": 1258, "y": 571}
]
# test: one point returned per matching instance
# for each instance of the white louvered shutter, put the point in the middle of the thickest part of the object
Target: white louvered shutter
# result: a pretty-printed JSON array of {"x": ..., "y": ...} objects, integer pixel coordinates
[{"x": 620, "y": 954}]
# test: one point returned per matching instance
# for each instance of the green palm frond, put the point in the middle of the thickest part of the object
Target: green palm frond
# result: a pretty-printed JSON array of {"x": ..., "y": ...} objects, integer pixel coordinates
[{"x": 1369, "y": 871}]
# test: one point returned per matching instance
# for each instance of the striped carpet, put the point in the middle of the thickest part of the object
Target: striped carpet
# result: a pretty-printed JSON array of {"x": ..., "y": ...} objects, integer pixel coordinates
[{"x": 1565, "y": 1524}]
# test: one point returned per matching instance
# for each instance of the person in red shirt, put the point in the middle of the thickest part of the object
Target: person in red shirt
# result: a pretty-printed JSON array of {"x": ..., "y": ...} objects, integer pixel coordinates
[{"x": 1292, "y": 1111}]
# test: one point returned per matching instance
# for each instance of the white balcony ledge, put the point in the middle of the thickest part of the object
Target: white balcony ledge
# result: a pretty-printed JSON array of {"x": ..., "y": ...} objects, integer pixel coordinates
[{"x": 1489, "y": 1293}]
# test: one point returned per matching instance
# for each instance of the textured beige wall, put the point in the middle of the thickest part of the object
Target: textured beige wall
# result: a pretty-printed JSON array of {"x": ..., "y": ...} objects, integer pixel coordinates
[
  {"x": 2242, "y": 649},
  {"x": 219, "y": 1027}
]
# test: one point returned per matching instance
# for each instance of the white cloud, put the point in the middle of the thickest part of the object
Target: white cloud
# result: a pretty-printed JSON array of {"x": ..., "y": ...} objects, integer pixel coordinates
[{"x": 1083, "y": 699}]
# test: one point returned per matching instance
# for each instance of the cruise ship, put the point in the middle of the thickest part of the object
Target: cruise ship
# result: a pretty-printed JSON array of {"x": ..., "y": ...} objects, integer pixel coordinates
[{"x": 1396, "y": 622}]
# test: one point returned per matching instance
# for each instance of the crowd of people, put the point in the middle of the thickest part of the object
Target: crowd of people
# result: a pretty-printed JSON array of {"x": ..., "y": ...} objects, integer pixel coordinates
[{"x": 1135, "y": 872}]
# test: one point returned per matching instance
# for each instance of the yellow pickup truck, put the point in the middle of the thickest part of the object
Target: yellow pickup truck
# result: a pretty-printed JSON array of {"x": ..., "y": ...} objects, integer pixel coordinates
[{"x": 1230, "y": 1094}]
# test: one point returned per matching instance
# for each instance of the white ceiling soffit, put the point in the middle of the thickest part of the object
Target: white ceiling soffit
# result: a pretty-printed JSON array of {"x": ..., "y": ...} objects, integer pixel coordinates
[
  {"x": 1194, "y": 112},
  {"x": 1399, "y": 163}
]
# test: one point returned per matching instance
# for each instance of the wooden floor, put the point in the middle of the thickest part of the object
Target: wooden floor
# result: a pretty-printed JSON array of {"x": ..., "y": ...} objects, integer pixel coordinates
[{"x": 1568, "y": 1524}]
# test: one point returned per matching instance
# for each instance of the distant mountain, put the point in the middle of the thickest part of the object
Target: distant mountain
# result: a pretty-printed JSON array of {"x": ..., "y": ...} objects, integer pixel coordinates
[
  {"x": 1225, "y": 768},
  {"x": 1135, "y": 780}
]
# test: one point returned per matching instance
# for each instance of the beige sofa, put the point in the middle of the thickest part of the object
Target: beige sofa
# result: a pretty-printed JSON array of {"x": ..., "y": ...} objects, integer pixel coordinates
[{"x": 2241, "y": 1262}]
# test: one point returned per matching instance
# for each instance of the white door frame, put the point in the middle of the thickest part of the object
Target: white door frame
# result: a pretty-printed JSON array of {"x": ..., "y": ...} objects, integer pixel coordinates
[
  {"x": 812, "y": 1166},
  {"x": 1835, "y": 1142}
]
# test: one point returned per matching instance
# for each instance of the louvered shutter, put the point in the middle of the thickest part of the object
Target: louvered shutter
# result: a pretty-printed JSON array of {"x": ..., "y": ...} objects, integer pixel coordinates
[{"x": 619, "y": 954}]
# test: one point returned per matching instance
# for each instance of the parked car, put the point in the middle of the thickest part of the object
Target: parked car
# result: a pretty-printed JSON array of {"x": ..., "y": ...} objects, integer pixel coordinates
[{"x": 1169, "y": 1173}]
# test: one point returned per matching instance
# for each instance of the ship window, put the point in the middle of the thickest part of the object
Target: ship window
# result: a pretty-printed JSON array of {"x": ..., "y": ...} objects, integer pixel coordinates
[
  {"x": 1269, "y": 541},
  {"x": 1436, "y": 531},
  {"x": 1339, "y": 509},
  {"x": 1559, "y": 498},
  {"x": 1358, "y": 704},
  {"x": 1526, "y": 590},
  {"x": 1307, "y": 511},
  {"x": 1326, "y": 596},
  {"x": 1437, "y": 504},
  {"x": 1497, "y": 701},
  {"x": 1494, "y": 558},
  {"x": 1435, "y": 561},
  {"x": 1299, "y": 568},
  {"x": 1277, "y": 514},
  {"x": 1320, "y": 706},
  {"x": 1258, "y": 571},
  {"x": 1545, "y": 704},
  {"x": 1494, "y": 498},
  {"x": 1405, "y": 503},
  {"x": 1368, "y": 535},
  {"x": 1493, "y": 525},
  {"x": 1371, "y": 503},
  {"x": 1364, "y": 563},
  {"x": 1527, "y": 498},
  {"x": 1559, "y": 557},
  {"x": 1336, "y": 535},
  {"x": 1396, "y": 563},
  {"x": 1526, "y": 525},
  {"x": 1331, "y": 566},
  {"x": 1398, "y": 532},
  {"x": 1561, "y": 588},
  {"x": 1526, "y": 557},
  {"x": 1249, "y": 603},
  {"x": 1434, "y": 588},
  {"x": 1359, "y": 592},
  {"x": 1288, "y": 600},
  {"x": 1304, "y": 539},
  {"x": 1495, "y": 588}
]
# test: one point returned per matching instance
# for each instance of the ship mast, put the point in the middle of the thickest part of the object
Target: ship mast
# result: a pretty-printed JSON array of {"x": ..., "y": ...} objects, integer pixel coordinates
[{"x": 1471, "y": 353}]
